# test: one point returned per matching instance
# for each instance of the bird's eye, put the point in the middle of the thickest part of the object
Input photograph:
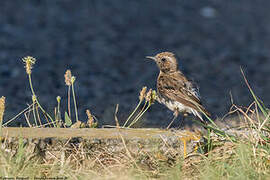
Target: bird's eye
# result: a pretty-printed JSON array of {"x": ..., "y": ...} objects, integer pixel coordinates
[{"x": 163, "y": 59}]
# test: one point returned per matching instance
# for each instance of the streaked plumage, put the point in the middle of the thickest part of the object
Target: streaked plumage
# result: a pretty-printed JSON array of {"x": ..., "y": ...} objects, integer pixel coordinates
[{"x": 174, "y": 90}]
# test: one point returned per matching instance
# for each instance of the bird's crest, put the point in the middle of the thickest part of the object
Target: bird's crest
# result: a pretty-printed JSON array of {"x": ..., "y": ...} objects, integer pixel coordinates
[{"x": 160, "y": 55}]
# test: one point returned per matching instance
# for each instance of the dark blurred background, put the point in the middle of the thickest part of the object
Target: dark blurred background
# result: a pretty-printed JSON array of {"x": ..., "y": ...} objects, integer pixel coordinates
[{"x": 104, "y": 43}]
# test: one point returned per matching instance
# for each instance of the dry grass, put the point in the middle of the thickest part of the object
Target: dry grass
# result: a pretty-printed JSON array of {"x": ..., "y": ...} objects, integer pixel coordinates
[
  {"x": 247, "y": 157},
  {"x": 236, "y": 153}
]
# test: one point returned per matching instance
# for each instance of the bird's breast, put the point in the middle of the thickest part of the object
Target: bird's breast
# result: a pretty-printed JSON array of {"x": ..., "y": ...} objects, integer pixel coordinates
[{"x": 174, "y": 105}]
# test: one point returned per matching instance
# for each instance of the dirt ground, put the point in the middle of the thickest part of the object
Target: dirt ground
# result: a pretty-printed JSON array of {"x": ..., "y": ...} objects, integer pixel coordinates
[{"x": 104, "y": 43}]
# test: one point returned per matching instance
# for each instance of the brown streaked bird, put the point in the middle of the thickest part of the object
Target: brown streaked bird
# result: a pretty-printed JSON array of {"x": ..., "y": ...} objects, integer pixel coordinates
[{"x": 174, "y": 90}]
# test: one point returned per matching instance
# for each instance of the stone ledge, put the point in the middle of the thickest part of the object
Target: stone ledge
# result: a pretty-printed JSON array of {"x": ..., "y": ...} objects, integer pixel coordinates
[{"x": 113, "y": 140}]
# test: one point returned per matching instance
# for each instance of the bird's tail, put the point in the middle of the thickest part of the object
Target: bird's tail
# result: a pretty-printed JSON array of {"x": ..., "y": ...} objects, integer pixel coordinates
[
  {"x": 199, "y": 115},
  {"x": 204, "y": 111}
]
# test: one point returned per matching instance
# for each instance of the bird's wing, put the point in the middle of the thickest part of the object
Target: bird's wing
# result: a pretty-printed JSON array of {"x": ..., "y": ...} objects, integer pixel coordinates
[
  {"x": 181, "y": 90},
  {"x": 192, "y": 89}
]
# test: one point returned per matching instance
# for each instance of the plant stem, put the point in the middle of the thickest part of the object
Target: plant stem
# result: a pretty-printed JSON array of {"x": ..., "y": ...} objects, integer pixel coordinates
[
  {"x": 69, "y": 111},
  {"x": 140, "y": 115},
  {"x": 58, "y": 114},
  {"x": 33, "y": 93},
  {"x": 75, "y": 104},
  {"x": 253, "y": 94},
  {"x": 208, "y": 140},
  {"x": 34, "y": 114},
  {"x": 129, "y": 117},
  {"x": 38, "y": 115},
  {"x": 27, "y": 119},
  {"x": 20, "y": 113}
]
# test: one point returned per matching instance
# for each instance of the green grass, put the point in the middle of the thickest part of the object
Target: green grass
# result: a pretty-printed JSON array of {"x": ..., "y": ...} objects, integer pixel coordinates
[
  {"x": 243, "y": 163},
  {"x": 229, "y": 161},
  {"x": 223, "y": 156}
]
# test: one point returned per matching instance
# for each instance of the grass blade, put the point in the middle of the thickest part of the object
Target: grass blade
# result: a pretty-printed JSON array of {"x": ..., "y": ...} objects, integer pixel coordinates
[{"x": 264, "y": 111}]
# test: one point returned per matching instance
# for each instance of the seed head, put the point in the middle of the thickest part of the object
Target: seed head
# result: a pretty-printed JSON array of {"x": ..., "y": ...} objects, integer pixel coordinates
[
  {"x": 2, "y": 108},
  {"x": 148, "y": 96},
  {"x": 68, "y": 77},
  {"x": 90, "y": 118},
  {"x": 58, "y": 98},
  {"x": 142, "y": 93},
  {"x": 73, "y": 78},
  {"x": 153, "y": 96},
  {"x": 29, "y": 62}
]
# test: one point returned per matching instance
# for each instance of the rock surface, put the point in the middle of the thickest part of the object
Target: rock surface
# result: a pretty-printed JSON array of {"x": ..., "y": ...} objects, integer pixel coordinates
[{"x": 52, "y": 142}]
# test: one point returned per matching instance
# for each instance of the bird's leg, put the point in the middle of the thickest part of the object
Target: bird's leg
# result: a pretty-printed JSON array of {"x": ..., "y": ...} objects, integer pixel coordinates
[
  {"x": 182, "y": 120},
  {"x": 175, "y": 114}
]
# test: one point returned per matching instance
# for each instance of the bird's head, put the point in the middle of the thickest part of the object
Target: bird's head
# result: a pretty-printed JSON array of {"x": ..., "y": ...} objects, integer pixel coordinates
[{"x": 166, "y": 62}]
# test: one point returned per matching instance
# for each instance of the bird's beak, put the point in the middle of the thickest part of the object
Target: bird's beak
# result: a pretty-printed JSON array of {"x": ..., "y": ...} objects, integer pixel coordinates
[{"x": 151, "y": 57}]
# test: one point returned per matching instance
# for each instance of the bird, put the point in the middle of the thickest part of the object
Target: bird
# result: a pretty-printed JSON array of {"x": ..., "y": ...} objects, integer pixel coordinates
[{"x": 175, "y": 90}]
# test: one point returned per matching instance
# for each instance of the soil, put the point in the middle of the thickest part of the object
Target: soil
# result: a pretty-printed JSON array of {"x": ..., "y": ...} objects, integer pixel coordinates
[{"x": 104, "y": 43}]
